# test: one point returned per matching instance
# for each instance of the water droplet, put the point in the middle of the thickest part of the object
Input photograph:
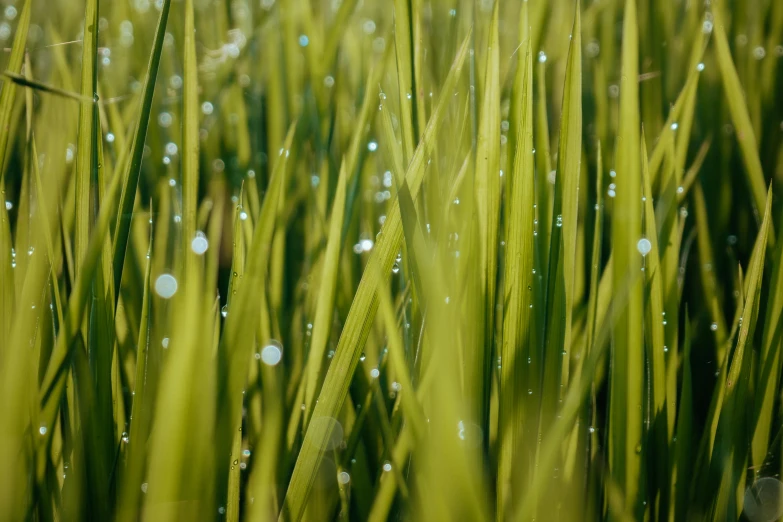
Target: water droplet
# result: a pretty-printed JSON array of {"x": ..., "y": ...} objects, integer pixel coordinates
[
  {"x": 207, "y": 108},
  {"x": 387, "y": 466},
  {"x": 700, "y": 67},
  {"x": 675, "y": 125},
  {"x": 166, "y": 286},
  {"x": 224, "y": 310},
  {"x": 763, "y": 500},
  {"x": 644, "y": 246},
  {"x": 591, "y": 429},
  {"x": 144, "y": 487},
  {"x": 165, "y": 342},
  {"x": 164, "y": 119},
  {"x": 372, "y": 146},
  {"x": 559, "y": 221},
  {"x": 541, "y": 57},
  {"x": 272, "y": 353},
  {"x": 714, "y": 326},
  {"x": 30, "y": 251},
  {"x": 125, "y": 437},
  {"x": 529, "y": 391},
  {"x": 222, "y": 510},
  {"x": 759, "y": 53},
  {"x": 42, "y": 430},
  {"x": 374, "y": 373},
  {"x": 343, "y": 477},
  {"x": 362, "y": 357},
  {"x": 395, "y": 269},
  {"x": 199, "y": 244}
]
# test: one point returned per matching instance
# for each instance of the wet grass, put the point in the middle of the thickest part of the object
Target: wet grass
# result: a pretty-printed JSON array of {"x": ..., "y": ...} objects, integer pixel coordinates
[{"x": 364, "y": 260}]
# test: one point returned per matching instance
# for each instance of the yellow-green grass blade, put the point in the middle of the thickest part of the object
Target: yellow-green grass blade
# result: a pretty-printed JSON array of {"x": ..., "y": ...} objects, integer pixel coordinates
[
  {"x": 517, "y": 298},
  {"x": 141, "y": 414},
  {"x": 655, "y": 325},
  {"x": 575, "y": 397},
  {"x": 358, "y": 322},
  {"x": 405, "y": 87},
  {"x": 730, "y": 453},
  {"x": 87, "y": 144},
  {"x": 459, "y": 486},
  {"x": 236, "y": 344},
  {"x": 680, "y": 117},
  {"x": 190, "y": 137},
  {"x": 487, "y": 188},
  {"x": 669, "y": 239},
  {"x": 326, "y": 295},
  {"x": 414, "y": 416},
  {"x": 768, "y": 373},
  {"x": 181, "y": 466},
  {"x": 626, "y": 384},
  {"x": 7, "y": 98},
  {"x": 739, "y": 113},
  {"x": 544, "y": 181},
  {"x": 53, "y": 382},
  {"x": 7, "y": 264},
  {"x": 560, "y": 296},
  {"x": 131, "y": 173},
  {"x": 8, "y": 93},
  {"x": 18, "y": 383}
]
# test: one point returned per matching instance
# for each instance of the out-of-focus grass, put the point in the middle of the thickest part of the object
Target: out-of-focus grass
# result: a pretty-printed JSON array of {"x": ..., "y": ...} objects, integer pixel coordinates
[{"x": 365, "y": 260}]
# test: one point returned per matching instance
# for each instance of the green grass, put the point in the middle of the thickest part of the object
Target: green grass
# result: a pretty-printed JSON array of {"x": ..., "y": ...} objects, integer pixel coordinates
[{"x": 407, "y": 260}]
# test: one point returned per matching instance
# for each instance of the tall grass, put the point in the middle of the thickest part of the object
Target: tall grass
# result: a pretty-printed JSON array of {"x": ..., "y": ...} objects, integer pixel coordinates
[{"x": 366, "y": 260}]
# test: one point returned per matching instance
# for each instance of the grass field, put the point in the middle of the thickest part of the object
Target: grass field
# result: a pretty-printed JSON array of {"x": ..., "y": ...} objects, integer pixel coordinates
[{"x": 391, "y": 260}]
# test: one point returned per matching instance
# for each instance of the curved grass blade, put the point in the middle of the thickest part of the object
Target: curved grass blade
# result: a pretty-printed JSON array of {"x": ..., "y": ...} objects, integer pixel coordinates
[
  {"x": 739, "y": 114},
  {"x": 730, "y": 453},
  {"x": 124, "y": 212}
]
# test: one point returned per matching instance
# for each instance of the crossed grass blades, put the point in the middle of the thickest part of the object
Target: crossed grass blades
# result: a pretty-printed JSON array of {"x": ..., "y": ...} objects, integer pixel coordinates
[{"x": 406, "y": 260}]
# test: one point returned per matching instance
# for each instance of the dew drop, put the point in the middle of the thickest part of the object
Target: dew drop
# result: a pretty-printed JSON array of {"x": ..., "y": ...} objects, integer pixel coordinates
[
  {"x": 166, "y": 286},
  {"x": 199, "y": 244},
  {"x": 644, "y": 246}
]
